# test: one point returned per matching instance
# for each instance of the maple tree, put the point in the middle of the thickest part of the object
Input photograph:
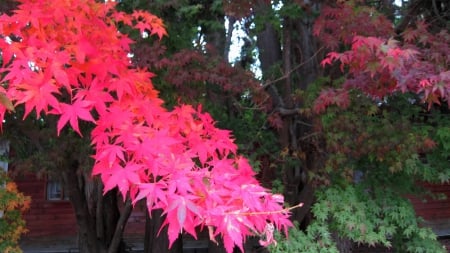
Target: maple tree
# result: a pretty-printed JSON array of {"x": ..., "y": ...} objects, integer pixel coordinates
[
  {"x": 68, "y": 59},
  {"x": 379, "y": 65}
]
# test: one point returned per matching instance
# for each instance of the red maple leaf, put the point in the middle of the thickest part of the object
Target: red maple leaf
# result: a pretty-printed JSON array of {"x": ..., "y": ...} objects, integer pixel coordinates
[{"x": 72, "y": 112}]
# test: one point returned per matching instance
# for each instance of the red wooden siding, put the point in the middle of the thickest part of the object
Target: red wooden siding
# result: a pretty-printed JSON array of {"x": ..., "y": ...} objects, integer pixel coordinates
[
  {"x": 45, "y": 217},
  {"x": 434, "y": 209},
  {"x": 136, "y": 223},
  {"x": 56, "y": 218}
]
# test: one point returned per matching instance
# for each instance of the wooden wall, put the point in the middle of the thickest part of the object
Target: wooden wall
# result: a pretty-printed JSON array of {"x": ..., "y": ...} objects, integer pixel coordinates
[
  {"x": 45, "y": 217},
  {"x": 56, "y": 218},
  {"x": 433, "y": 209}
]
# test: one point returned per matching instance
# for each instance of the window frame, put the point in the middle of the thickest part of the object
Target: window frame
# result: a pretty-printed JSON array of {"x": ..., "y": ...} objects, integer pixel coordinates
[{"x": 51, "y": 187}]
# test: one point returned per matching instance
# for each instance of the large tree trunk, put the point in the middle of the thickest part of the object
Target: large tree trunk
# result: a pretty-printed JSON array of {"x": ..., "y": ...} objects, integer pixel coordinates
[
  {"x": 87, "y": 237},
  {"x": 116, "y": 242},
  {"x": 99, "y": 220},
  {"x": 299, "y": 68},
  {"x": 158, "y": 242}
]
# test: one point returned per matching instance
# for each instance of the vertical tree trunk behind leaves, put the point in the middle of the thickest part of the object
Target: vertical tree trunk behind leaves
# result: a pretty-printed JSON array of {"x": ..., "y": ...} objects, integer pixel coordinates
[
  {"x": 299, "y": 68},
  {"x": 87, "y": 237},
  {"x": 101, "y": 231},
  {"x": 159, "y": 243},
  {"x": 216, "y": 248},
  {"x": 116, "y": 241},
  {"x": 214, "y": 34},
  {"x": 100, "y": 222}
]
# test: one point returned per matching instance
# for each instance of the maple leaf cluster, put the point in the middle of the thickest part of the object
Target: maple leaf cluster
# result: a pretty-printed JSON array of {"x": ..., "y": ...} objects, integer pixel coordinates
[
  {"x": 339, "y": 23},
  {"x": 67, "y": 58},
  {"x": 379, "y": 65}
]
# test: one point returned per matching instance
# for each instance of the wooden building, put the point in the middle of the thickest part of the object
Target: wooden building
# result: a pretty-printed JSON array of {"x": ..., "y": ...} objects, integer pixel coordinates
[
  {"x": 51, "y": 212},
  {"x": 435, "y": 210}
]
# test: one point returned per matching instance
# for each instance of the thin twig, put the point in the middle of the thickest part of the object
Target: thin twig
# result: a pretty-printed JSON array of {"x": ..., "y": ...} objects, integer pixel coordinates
[
  {"x": 436, "y": 12},
  {"x": 267, "y": 212},
  {"x": 265, "y": 85}
]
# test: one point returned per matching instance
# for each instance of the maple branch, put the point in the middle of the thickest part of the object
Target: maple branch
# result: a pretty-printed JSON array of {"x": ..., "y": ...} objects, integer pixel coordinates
[
  {"x": 310, "y": 135},
  {"x": 288, "y": 112},
  {"x": 436, "y": 12},
  {"x": 412, "y": 11},
  {"x": 294, "y": 111},
  {"x": 287, "y": 74},
  {"x": 267, "y": 212}
]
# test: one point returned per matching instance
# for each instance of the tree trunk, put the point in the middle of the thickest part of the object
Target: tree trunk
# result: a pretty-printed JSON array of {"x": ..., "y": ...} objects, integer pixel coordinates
[
  {"x": 100, "y": 223},
  {"x": 344, "y": 245},
  {"x": 158, "y": 242},
  {"x": 87, "y": 237},
  {"x": 216, "y": 248},
  {"x": 299, "y": 68},
  {"x": 219, "y": 247},
  {"x": 117, "y": 244}
]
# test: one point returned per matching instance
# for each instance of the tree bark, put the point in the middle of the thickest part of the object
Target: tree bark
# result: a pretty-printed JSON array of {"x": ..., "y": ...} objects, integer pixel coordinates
[
  {"x": 158, "y": 242},
  {"x": 100, "y": 226},
  {"x": 116, "y": 240},
  {"x": 110, "y": 216},
  {"x": 216, "y": 248},
  {"x": 87, "y": 237},
  {"x": 299, "y": 68}
]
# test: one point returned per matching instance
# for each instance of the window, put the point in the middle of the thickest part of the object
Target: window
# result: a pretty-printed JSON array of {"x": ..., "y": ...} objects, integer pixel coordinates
[
  {"x": 55, "y": 190},
  {"x": 4, "y": 153}
]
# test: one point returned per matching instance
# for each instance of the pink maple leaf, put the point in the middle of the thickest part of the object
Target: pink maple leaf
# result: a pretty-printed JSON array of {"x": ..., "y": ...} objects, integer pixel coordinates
[{"x": 72, "y": 112}]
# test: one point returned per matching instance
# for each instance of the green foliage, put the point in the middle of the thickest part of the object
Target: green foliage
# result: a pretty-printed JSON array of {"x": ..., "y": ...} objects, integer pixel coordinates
[
  {"x": 395, "y": 137},
  {"x": 12, "y": 204},
  {"x": 379, "y": 217},
  {"x": 264, "y": 17},
  {"x": 317, "y": 239},
  {"x": 436, "y": 161},
  {"x": 250, "y": 128},
  {"x": 378, "y": 152},
  {"x": 291, "y": 10}
]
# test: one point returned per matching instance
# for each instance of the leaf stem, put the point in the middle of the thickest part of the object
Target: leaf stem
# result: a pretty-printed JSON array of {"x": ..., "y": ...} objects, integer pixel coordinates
[{"x": 267, "y": 212}]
